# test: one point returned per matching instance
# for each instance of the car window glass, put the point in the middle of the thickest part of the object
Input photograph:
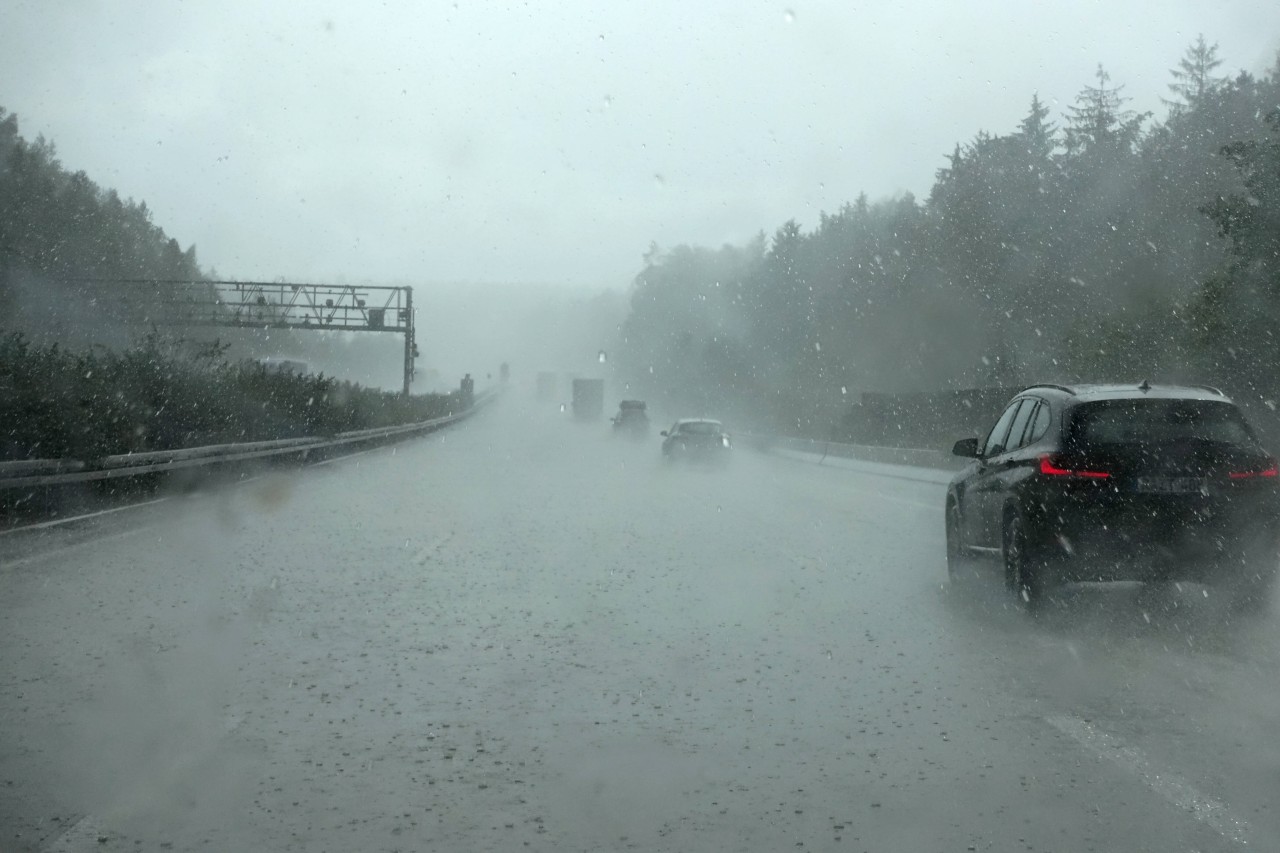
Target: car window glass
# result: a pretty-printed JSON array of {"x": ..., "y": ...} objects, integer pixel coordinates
[
  {"x": 1161, "y": 422},
  {"x": 1020, "y": 421},
  {"x": 1039, "y": 424},
  {"x": 995, "y": 439}
]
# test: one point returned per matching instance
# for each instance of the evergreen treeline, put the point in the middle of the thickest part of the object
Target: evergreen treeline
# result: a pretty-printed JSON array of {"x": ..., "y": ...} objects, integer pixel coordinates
[
  {"x": 57, "y": 226},
  {"x": 1098, "y": 245}
]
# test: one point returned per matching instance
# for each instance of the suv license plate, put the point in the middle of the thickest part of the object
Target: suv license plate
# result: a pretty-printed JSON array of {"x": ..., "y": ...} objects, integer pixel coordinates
[{"x": 1172, "y": 485}]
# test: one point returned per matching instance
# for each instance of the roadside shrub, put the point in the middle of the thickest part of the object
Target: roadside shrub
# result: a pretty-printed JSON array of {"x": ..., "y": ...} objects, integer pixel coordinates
[{"x": 162, "y": 395}]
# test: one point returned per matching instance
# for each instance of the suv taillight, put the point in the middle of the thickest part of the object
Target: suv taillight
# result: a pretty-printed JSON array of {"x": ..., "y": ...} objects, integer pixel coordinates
[
  {"x": 1268, "y": 469},
  {"x": 1055, "y": 467}
]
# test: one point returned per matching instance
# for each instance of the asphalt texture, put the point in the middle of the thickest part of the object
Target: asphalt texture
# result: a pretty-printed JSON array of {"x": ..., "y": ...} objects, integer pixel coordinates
[{"x": 523, "y": 634}]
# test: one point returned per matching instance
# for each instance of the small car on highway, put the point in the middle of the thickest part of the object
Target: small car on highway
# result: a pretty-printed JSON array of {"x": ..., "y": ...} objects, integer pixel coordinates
[
  {"x": 632, "y": 419},
  {"x": 1118, "y": 483},
  {"x": 696, "y": 439}
]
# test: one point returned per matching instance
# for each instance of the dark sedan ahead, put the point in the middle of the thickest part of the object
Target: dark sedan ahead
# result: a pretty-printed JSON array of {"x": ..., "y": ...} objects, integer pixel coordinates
[{"x": 1118, "y": 482}]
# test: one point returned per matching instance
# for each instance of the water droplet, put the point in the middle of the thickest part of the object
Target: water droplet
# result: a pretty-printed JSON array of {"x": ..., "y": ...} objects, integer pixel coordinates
[
  {"x": 608, "y": 101},
  {"x": 789, "y": 16},
  {"x": 844, "y": 389}
]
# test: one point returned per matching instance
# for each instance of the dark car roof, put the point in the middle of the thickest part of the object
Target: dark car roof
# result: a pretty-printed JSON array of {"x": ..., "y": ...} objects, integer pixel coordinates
[
  {"x": 683, "y": 421},
  {"x": 1136, "y": 391}
]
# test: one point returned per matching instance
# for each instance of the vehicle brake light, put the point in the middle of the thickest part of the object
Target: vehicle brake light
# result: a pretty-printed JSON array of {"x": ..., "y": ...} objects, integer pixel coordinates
[
  {"x": 1269, "y": 470},
  {"x": 1051, "y": 466}
]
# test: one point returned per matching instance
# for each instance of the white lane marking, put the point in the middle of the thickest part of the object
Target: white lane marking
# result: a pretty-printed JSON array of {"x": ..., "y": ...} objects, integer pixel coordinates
[
  {"x": 57, "y": 522},
  {"x": 1172, "y": 787},
  {"x": 69, "y": 519},
  {"x": 60, "y": 521},
  {"x": 58, "y": 552},
  {"x": 88, "y": 833},
  {"x": 82, "y": 835},
  {"x": 890, "y": 470},
  {"x": 333, "y": 459}
]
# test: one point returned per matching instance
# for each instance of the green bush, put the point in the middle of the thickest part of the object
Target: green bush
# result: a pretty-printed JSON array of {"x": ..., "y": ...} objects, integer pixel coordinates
[{"x": 161, "y": 396}]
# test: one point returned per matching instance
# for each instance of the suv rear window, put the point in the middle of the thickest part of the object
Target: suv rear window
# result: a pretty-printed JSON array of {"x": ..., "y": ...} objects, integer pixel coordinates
[{"x": 1160, "y": 422}]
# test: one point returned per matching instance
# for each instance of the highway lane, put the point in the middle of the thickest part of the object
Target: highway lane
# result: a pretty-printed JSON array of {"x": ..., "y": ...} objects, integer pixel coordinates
[{"x": 521, "y": 634}]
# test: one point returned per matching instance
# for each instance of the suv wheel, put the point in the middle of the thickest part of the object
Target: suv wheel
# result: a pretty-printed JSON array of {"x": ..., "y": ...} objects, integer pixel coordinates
[
  {"x": 957, "y": 565},
  {"x": 1023, "y": 574}
]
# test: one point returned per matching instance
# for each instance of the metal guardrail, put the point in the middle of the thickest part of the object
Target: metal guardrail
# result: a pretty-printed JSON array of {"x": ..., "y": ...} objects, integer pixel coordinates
[
  {"x": 52, "y": 472},
  {"x": 39, "y": 466}
]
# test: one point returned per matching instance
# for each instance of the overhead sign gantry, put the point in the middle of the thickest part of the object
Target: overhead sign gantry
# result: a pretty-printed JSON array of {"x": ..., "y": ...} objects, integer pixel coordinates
[{"x": 279, "y": 305}]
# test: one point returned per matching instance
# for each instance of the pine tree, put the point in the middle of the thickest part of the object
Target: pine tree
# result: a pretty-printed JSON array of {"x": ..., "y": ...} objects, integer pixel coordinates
[
  {"x": 1099, "y": 123},
  {"x": 1038, "y": 136},
  {"x": 1193, "y": 79}
]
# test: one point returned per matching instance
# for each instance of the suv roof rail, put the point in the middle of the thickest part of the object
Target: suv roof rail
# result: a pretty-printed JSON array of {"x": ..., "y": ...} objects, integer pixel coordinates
[{"x": 1067, "y": 388}]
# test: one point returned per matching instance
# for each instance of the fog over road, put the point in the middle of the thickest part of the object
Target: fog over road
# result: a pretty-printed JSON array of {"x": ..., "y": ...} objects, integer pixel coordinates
[{"x": 523, "y": 634}]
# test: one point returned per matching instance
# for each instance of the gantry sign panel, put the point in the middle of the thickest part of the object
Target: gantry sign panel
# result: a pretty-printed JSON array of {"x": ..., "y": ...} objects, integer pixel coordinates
[{"x": 282, "y": 305}]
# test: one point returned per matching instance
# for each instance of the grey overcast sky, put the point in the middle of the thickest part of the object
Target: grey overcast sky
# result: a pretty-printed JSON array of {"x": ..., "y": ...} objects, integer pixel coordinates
[{"x": 407, "y": 142}]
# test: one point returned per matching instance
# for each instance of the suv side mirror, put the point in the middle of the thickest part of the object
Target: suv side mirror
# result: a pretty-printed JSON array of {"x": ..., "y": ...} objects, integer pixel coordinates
[{"x": 966, "y": 447}]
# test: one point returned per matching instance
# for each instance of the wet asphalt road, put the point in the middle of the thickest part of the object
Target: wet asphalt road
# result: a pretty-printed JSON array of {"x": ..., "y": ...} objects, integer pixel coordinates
[{"x": 522, "y": 635}]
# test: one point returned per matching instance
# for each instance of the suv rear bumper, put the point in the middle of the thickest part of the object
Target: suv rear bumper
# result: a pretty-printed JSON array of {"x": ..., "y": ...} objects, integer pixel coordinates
[{"x": 1202, "y": 543}]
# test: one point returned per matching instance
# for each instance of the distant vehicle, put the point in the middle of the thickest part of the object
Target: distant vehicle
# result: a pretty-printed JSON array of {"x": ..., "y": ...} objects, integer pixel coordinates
[
  {"x": 696, "y": 439},
  {"x": 1118, "y": 483},
  {"x": 588, "y": 399},
  {"x": 275, "y": 364},
  {"x": 632, "y": 419}
]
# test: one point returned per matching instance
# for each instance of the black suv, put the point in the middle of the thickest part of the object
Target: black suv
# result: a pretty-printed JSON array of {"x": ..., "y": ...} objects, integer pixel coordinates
[{"x": 1118, "y": 482}]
